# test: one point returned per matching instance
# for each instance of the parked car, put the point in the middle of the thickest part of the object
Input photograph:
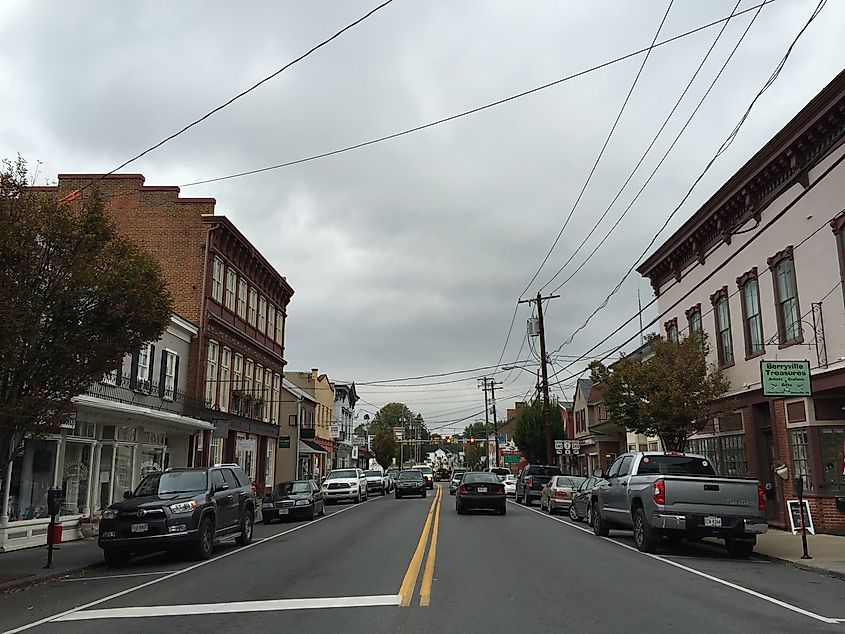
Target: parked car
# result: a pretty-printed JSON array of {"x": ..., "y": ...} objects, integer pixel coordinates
[
  {"x": 428, "y": 474},
  {"x": 502, "y": 472},
  {"x": 297, "y": 499},
  {"x": 581, "y": 500},
  {"x": 510, "y": 484},
  {"x": 345, "y": 484},
  {"x": 411, "y": 482},
  {"x": 557, "y": 494},
  {"x": 532, "y": 479},
  {"x": 375, "y": 481},
  {"x": 676, "y": 495},
  {"x": 179, "y": 509},
  {"x": 480, "y": 490},
  {"x": 455, "y": 480},
  {"x": 393, "y": 474}
]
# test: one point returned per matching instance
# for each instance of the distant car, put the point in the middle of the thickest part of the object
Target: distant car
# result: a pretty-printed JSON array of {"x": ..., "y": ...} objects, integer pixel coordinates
[
  {"x": 579, "y": 509},
  {"x": 557, "y": 494},
  {"x": 502, "y": 472},
  {"x": 297, "y": 499},
  {"x": 532, "y": 479},
  {"x": 510, "y": 484},
  {"x": 345, "y": 484},
  {"x": 393, "y": 475},
  {"x": 442, "y": 474},
  {"x": 457, "y": 474},
  {"x": 428, "y": 474},
  {"x": 410, "y": 482},
  {"x": 480, "y": 490},
  {"x": 375, "y": 482}
]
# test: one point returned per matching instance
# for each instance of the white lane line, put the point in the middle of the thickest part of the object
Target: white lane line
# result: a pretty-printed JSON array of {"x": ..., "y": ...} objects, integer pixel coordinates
[
  {"x": 134, "y": 574},
  {"x": 734, "y": 586},
  {"x": 272, "y": 605},
  {"x": 91, "y": 604}
]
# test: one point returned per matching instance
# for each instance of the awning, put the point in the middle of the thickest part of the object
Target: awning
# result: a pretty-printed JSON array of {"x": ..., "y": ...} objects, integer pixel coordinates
[
  {"x": 139, "y": 414},
  {"x": 307, "y": 447}
]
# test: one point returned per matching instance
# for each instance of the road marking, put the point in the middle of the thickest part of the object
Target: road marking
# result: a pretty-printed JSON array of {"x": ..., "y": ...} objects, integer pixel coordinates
[
  {"x": 272, "y": 605},
  {"x": 91, "y": 604},
  {"x": 729, "y": 584},
  {"x": 134, "y": 574},
  {"x": 409, "y": 582},
  {"x": 428, "y": 575}
]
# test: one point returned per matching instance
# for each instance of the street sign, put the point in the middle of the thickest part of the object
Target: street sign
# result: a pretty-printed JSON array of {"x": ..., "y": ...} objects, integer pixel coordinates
[
  {"x": 576, "y": 445},
  {"x": 511, "y": 458},
  {"x": 558, "y": 444},
  {"x": 567, "y": 444},
  {"x": 355, "y": 452},
  {"x": 786, "y": 378},
  {"x": 245, "y": 444},
  {"x": 284, "y": 442},
  {"x": 795, "y": 516},
  {"x": 559, "y": 452},
  {"x": 568, "y": 452},
  {"x": 334, "y": 431}
]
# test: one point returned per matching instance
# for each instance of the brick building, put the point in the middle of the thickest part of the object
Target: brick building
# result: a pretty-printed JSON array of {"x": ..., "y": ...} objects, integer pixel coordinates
[{"x": 220, "y": 282}]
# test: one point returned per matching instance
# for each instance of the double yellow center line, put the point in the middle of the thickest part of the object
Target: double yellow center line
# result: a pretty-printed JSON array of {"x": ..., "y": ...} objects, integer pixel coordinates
[{"x": 432, "y": 521}]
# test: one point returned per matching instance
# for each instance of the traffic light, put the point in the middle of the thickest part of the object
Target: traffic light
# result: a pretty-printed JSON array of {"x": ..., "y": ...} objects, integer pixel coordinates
[{"x": 472, "y": 441}]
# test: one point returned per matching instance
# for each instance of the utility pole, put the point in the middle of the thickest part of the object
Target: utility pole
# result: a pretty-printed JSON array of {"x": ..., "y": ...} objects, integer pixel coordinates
[
  {"x": 495, "y": 420},
  {"x": 547, "y": 416},
  {"x": 486, "y": 420}
]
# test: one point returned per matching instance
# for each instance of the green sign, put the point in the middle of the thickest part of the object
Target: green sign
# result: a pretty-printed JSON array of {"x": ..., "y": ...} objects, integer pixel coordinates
[
  {"x": 284, "y": 442},
  {"x": 785, "y": 378},
  {"x": 511, "y": 459}
]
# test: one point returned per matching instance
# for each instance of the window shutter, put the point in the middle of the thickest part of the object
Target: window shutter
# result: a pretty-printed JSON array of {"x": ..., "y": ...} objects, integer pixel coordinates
[
  {"x": 133, "y": 372},
  {"x": 175, "y": 375},
  {"x": 150, "y": 365},
  {"x": 162, "y": 375}
]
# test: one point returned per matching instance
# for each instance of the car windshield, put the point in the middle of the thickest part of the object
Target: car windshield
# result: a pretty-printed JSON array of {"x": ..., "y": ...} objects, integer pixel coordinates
[
  {"x": 172, "y": 482},
  {"x": 425, "y": 469},
  {"x": 480, "y": 477},
  {"x": 373, "y": 474},
  {"x": 500, "y": 471},
  {"x": 675, "y": 465},
  {"x": 342, "y": 473},
  {"x": 300, "y": 486},
  {"x": 410, "y": 475},
  {"x": 570, "y": 481}
]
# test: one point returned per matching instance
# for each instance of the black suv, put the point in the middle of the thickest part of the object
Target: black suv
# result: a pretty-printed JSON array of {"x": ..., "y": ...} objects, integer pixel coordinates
[
  {"x": 179, "y": 508},
  {"x": 532, "y": 479}
]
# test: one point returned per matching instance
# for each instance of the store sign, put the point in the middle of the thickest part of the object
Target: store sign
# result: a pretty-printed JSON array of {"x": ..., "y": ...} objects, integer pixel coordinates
[
  {"x": 334, "y": 431},
  {"x": 511, "y": 458},
  {"x": 245, "y": 444},
  {"x": 785, "y": 378},
  {"x": 355, "y": 452},
  {"x": 284, "y": 442}
]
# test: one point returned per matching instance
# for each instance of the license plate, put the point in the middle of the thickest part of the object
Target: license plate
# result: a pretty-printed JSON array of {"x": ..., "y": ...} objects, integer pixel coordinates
[
  {"x": 713, "y": 522},
  {"x": 482, "y": 489},
  {"x": 283, "y": 511},
  {"x": 139, "y": 528}
]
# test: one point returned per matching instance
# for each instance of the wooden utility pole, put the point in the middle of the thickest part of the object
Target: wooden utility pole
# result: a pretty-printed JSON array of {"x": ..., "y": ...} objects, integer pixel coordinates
[
  {"x": 547, "y": 415},
  {"x": 495, "y": 420},
  {"x": 486, "y": 420}
]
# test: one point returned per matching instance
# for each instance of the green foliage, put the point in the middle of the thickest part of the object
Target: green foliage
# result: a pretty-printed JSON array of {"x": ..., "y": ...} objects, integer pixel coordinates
[
  {"x": 75, "y": 298},
  {"x": 398, "y": 415},
  {"x": 529, "y": 430},
  {"x": 670, "y": 394},
  {"x": 473, "y": 454},
  {"x": 385, "y": 448},
  {"x": 478, "y": 429}
]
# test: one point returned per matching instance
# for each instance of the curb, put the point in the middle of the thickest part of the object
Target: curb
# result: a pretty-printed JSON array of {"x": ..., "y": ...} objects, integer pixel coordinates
[
  {"x": 25, "y": 582},
  {"x": 801, "y": 566}
]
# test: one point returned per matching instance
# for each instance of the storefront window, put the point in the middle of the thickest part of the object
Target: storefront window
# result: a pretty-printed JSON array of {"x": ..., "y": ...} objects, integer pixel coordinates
[
  {"x": 798, "y": 440},
  {"x": 32, "y": 475},
  {"x": 75, "y": 477},
  {"x": 152, "y": 460},
  {"x": 735, "y": 460},
  {"x": 119, "y": 432},
  {"x": 216, "y": 450},
  {"x": 84, "y": 430},
  {"x": 833, "y": 454},
  {"x": 123, "y": 467}
]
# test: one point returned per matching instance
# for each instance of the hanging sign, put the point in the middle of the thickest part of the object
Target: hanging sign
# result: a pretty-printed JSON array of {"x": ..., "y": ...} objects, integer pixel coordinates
[{"x": 785, "y": 378}]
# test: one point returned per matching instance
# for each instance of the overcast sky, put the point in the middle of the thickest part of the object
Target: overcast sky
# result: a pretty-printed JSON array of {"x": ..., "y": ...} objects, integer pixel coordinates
[{"x": 408, "y": 257}]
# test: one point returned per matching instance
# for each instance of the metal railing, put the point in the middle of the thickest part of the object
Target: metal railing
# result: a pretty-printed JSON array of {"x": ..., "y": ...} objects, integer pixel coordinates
[{"x": 147, "y": 394}]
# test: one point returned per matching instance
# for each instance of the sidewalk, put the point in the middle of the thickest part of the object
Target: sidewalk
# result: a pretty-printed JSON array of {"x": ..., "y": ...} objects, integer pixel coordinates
[
  {"x": 20, "y": 568},
  {"x": 827, "y": 551}
]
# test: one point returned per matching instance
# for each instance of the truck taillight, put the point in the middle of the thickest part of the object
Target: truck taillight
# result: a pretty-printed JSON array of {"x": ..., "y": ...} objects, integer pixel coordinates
[
  {"x": 761, "y": 498},
  {"x": 529, "y": 482},
  {"x": 462, "y": 489},
  {"x": 659, "y": 492}
]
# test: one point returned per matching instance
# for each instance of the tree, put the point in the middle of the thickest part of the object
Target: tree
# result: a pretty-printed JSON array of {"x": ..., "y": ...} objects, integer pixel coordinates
[
  {"x": 384, "y": 446},
  {"x": 669, "y": 394},
  {"x": 529, "y": 430},
  {"x": 390, "y": 416},
  {"x": 478, "y": 429},
  {"x": 473, "y": 453},
  {"x": 75, "y": 298}
]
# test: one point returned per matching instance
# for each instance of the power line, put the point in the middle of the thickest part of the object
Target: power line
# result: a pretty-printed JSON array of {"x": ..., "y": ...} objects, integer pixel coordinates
[
  {"x": 475, "y": 110},
  {"x": 439, "y": 374},
  {"x": 651, "y": 145},
  {"x": 601, "y": 152}
]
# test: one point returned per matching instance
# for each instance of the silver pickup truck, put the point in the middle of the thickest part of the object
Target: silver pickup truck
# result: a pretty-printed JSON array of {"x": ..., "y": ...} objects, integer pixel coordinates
[{"x": 676, "y": 496}]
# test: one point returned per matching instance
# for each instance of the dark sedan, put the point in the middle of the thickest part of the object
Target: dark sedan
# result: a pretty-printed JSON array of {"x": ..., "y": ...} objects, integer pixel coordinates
[
  {"x": 410, "y": 482},
  {"x": 480, "y": 490},
  {"x": 581, "y": 499},
  {"x": 300, "y": 499}
]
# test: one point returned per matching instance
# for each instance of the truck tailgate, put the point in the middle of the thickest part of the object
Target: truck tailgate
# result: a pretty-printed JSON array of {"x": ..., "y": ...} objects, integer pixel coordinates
[{"x": 711, "y": 496}]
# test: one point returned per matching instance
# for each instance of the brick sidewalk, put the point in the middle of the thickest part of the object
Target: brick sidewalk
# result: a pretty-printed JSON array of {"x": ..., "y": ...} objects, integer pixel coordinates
[
  {"x": 827, "y": 551},
  {"x": 23, "y": 567}
]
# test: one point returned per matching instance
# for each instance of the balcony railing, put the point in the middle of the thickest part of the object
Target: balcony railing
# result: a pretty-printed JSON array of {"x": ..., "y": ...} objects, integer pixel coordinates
[{"x": 147, "y": 394}]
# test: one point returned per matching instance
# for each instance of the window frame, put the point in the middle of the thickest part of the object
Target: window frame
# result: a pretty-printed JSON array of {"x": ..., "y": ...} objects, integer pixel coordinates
[
  {"x": 218, "y": 268},
  {"x": 230, "y": 291},
  {"x": 252, "y": 306},
  {"x": 671, "y": 328},
  {"x": 743, "y": 282},
  {"x": 169, "y": 379},
  {"x": 212, "y": 364},
  {"x": 691, "y": 313},
  {"x": 774, "y": 264},
  {"x": 243, "y": 289},
  {"x": 262, "y": 314},
  {"x": 142, "y": 373},
  {"x": 225, "y": 391},
  {"x": 715, "y": 299},
  {"x": 801, "y": 453},
  {"x": 280, "y": 327}
]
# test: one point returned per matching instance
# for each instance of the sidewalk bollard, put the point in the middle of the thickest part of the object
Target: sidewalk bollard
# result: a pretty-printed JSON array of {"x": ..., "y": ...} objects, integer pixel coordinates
[{"x": 799, "y": 491}]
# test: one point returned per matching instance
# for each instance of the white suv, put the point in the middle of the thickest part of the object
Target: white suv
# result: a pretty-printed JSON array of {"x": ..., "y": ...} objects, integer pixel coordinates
[{"x": 345, "y": 484}]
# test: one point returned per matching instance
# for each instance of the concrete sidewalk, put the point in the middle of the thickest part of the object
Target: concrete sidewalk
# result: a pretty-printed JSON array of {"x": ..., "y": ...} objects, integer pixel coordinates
[
  {"x": 827, "y": 551},
  {"x": 24, "y": 567}
]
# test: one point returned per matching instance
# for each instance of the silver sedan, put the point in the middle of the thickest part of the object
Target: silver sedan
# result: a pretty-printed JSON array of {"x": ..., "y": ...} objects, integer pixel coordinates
[{"x": 557, "y": 494}]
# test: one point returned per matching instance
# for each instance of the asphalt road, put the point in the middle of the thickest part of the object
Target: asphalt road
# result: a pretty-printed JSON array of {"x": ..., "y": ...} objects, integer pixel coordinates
[{"x": 375, "y": 567}]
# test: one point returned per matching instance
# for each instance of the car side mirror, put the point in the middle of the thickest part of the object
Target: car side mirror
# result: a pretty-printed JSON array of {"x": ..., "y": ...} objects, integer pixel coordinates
[
  {"x": 127, "y": 495},
  {"x": 220, "y": 487},
  {"x": 598, "y": 473}
]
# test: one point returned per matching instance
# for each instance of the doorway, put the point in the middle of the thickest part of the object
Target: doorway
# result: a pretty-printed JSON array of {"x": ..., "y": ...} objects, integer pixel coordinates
[{"x": 769, "y": 458}]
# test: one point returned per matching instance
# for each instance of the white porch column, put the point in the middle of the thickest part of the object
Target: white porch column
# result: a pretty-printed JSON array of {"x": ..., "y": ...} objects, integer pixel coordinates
[
  {"x": 136, "y": 462},
  {"x": 93, "y": 469}
]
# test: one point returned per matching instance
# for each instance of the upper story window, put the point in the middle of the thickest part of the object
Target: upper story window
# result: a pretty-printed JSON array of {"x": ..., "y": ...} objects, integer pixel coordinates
[
  {"x": 722, "y": 313},
  {"x": 752, "y": 320},
  {"x": 249, "y": 369},
  {"x": 143, "y": 373},
  {"x": 169, "y": 369},
  {"x": 242, "y": 298},
  {"x": 694, "y": 319},
  {"x": 237, "y": 371},
  {"x": 788, "y": 311},
  {"x": 262, "y": 314},
  {"x": 280, "y": 327},
  {"x": 217, "y": 279},
  {"x": 211, "y": 374},
  {"x": 672, "y": 329},
  {"x": 225, "y": 378},
  {"x": 231, "y": 287},
  {"x": 271, "y": 321},
  {"x": 252, "y": 306}
]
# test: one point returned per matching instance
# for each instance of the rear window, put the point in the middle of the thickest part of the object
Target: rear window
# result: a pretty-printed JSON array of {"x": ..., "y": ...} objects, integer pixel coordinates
[
  {"x": 675, "y": 465},
  {"x": 542, "y": 471},
  {"x": 573, "y": 482},
  {"x": 410, "y": 475},
  {"x": 480, "y": 477},
  {"x": 371, "y": 474},
  {"x": 500, "y": 471}
]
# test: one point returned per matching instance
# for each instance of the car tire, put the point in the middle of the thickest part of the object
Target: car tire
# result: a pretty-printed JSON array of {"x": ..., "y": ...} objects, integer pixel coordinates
[
  {"x": 550, "y": 509},
  {"x": 323, "y": 509},
  {"x": 205, "y": 539},
  {"x": 573, "y": 514},
  {"x": 645, "y": 537},
  {"x": 247, "y": 526},
  {"x": 115, "y": 558},
  {"x": 527, "y": 500},
  {"x": 739, "y": 549},
  {"x": 458, "y": 508},
  {"x": 502, "y": 510},
  {"x": 600, "y": 527},
  {"x": 423, "y": 493}
]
